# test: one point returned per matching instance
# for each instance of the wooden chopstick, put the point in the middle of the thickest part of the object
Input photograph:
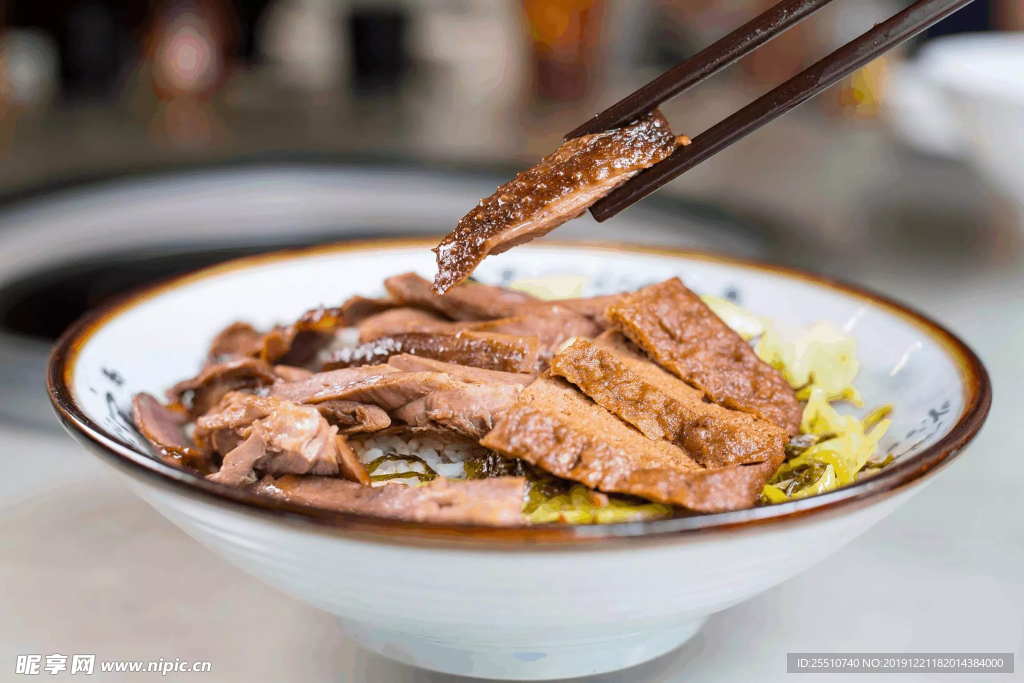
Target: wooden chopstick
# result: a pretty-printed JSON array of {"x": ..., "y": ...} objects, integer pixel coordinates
[
  {"x": 770, "y": 106},
  {"x": 714, "y": 58}
]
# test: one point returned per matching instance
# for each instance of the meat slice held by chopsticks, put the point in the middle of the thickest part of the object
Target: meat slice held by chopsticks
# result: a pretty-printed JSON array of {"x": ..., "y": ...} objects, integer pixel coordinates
[{"x": 561, "y": 187}]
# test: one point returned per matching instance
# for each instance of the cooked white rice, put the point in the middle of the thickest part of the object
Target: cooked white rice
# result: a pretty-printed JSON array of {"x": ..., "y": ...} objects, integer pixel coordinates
[{"x": 445, "y": 458}]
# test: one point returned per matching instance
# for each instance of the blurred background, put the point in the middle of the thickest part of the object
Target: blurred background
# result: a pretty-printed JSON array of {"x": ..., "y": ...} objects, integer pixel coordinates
[{"x": 144, "y": 138}]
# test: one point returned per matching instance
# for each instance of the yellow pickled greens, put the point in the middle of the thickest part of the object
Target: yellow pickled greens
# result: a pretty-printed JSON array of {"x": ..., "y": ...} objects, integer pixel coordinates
[
  {"x": 821, "y": 355},
  {"x": 742, "y": 321},
  {"x": 820, "y": 363},
  {"x": 577, "y": 507},
  {"x": 551, "y": 287}
]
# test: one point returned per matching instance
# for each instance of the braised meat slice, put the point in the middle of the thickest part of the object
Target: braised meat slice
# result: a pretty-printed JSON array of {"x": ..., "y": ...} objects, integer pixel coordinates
[
  {"x": 468, "y": 301},
  {"x": 389, "y": 391},
  {"x": 558, "y": 429},
  {"x": 561, "y": 187},
  {"x": 210, "y": 385},
  {"x": 237, "y": 467},
  {"x": 552, "y": 325},
  {"x": 162, "y": 427},
  {"x": 461, "y": 373},
  {"x": 237, "y": 340},
  {"x": 493, "y": 502},
  {"x": 301, "y": 390},
  {"x": 359, "y": 308},
  {"x": 288, "y": 373},
  {"x": 298, "y": 343},
  {"x": 286, "y": 438},
  {"x": 471, "y": 410},
  {"x": 592, "y": 308},
  {"x": 662, "y": 406},
  {"x": 352, "y": 417},
  {"x": 490, "y": 351},
  {"x": 400, "y": 321},
  {"x": 684, "y": 336}
]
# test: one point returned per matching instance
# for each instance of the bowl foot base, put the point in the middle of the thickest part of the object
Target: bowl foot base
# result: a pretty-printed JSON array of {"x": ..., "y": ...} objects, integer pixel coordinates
[{"x": 544, "y": 661}]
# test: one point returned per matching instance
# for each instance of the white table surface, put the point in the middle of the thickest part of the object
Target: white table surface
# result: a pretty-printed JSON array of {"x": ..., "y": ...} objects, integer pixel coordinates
[{"x": 85, "y": 567}]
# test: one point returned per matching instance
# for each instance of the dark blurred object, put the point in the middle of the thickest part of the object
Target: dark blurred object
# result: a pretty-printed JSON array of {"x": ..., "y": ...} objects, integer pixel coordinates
[
  {"x": 380, "y": 53},
  {"x": 42, "y": 306},
  {"x": 565, "y": 44},
  {"x": 96, "y": 39},
  {"x": 975, "y": 17}
]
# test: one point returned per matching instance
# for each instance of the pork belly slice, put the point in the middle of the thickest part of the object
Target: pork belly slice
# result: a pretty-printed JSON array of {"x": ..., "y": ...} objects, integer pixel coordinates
[
  {"x": 162, "y": 428},
  {"x": 561, "y": 187},
  {"x": 468, "y": 301},
  {"x": 560, "y": 430},
  {"x": 462, "y": 373},
  {"x": 302, "y": 389},
  {"x": 470, "y": 411},
  {"x": 490, "y": 351},
  {"x": 390, "y": 391},
  {"x": 284, "y": 438},
  {"x": 210, "y": 385},
  {"x": 662, "y": 406},
  {"x": 493, "y": 502},
  {"x": 676, "y": 329},
  {"x": 401, "y": 321}
]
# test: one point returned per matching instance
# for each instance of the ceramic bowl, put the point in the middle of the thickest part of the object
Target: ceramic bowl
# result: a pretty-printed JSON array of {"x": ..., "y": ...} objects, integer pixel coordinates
[{"x": 535, "y": 603}]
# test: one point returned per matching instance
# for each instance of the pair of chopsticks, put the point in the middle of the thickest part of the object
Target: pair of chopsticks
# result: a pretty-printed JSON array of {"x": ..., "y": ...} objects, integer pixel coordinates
[{"x": 793, "y": 92}]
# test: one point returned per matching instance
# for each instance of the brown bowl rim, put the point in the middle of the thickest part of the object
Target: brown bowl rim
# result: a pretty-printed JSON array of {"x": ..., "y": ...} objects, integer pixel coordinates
[{"x": 888, "y": 482}]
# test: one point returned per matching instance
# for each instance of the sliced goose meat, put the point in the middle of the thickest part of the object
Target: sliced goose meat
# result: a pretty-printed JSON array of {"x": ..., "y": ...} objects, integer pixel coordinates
[
  {"x": 162, "y": 427},
  {"x": 389, "y": 391},
  {"x": 461, "y": 373},
  {"x": 210, "y": 385},
  {"x": 561, "y": 187},
  {"x": 237, "y": 466},
  {"x": 400, "y": 321},
  {"x": 675, "y": 328},
  {"x": 237, "y": 340},
  {"x": 490, "y": 351},
  {"x": 288, "y": 373},
  {"x": 354, "y": 418},
  {"x": 662, "y": 406},
  {"x": 471, "y": 410},
  {"x": 468, "y": 301},
  {"x": 592, "y": 308},
  {"x": 301, "y": 390},
  {"x": 216, "y": 430},
  {"x": 358, "y": 308},
  {"x": 298, "y": 343},
  {"x": 558, "y": 429},
  {"x": 493, "y": 502},
  {"x": 552, "y": 325},
  {"x": 290, "y": 439}
]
